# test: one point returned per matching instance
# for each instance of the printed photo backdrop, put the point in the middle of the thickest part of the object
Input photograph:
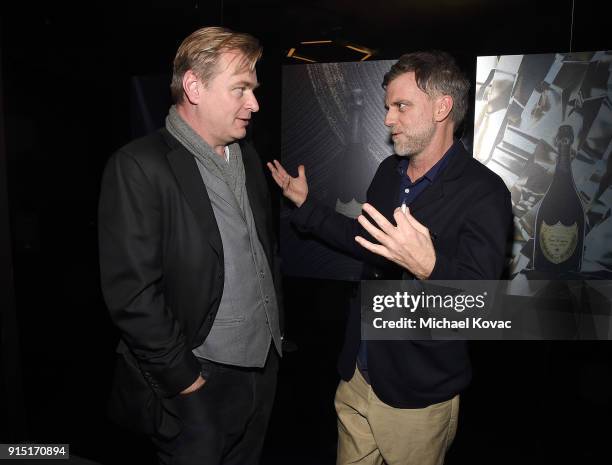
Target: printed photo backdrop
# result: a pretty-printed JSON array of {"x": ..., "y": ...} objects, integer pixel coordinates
[
  {"x": 333, "y": 123},
  {"x": 523, "y": 103}
]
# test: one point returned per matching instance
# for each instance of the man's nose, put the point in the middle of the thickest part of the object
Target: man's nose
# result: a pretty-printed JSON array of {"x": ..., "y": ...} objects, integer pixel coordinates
[
  {"x": 252, "y": 104},
  {"x": 389, "y": 118}
]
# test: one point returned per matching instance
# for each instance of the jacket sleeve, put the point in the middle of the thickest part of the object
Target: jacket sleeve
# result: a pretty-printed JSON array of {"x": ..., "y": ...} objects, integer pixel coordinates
[
  {"x": 335, "y": 229},
  {"x": 483, "y": 239},
  {"x": 130, "y": 244}
]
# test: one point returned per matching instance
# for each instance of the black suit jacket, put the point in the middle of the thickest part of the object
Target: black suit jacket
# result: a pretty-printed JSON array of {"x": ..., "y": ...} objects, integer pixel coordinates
[
  {"x": 467, "y": 208},
  {"x": 161, "y": 262}
]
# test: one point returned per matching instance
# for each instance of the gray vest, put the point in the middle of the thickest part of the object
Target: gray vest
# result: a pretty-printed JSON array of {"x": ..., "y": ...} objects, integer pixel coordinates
[{"x": 247, "y": 319}]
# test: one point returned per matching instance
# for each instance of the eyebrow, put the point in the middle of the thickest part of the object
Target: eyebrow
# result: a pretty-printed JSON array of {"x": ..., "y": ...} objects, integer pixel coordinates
[
  {"x": 397, "y": 103},
  {"x": 248, "y": 84}
]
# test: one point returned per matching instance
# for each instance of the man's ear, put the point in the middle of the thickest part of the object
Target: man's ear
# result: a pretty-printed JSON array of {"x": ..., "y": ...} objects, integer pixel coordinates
[
  {"x": 443, "y": 107},
  {"x": 192, "y": 87}
]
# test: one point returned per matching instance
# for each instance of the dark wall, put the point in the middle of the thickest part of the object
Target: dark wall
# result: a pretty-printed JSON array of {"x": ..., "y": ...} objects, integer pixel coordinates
[
  {"x": 66, "y": 89},
  {"x": 10, "y": 364}
]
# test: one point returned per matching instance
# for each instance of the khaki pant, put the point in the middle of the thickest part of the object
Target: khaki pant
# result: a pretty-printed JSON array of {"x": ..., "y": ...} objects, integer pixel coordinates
[{"x": 371, "y": 432}]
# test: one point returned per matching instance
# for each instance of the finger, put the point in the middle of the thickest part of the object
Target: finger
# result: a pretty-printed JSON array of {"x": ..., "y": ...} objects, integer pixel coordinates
[
  {"x": 380, "y": 220},
  {"x": 272, "y": 169},
  {"x": 280, "y": 168},
  {"x": 275, "y": 175},
  {"x": 420, "y": 227},
  {"x": 376, "y": 233},
  {"x": 402, "y": 222},
  {"x": 301, "y": 171},
  {"x": 374, "y": 248}
]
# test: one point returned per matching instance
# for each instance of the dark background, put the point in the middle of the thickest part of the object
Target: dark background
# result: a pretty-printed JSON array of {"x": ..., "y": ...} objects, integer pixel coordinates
[{"x": 67, "y": 76}]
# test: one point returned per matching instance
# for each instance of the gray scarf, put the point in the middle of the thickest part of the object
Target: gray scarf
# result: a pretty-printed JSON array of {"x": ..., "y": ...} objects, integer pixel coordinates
[{"x": 232, "y": 173}]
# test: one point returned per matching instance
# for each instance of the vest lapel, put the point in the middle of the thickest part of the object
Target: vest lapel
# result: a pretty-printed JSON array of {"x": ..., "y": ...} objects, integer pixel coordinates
[{"x": 220, "y": 188}]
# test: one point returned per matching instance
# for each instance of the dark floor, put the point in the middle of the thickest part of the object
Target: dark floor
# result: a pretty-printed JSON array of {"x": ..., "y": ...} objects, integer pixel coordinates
[{"x": 530, "y": 402}]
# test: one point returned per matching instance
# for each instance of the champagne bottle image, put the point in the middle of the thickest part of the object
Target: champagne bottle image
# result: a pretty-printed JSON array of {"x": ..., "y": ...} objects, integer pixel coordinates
[
  {"x": 351, "y": 179},
  {"x": 560, "y": 220}
]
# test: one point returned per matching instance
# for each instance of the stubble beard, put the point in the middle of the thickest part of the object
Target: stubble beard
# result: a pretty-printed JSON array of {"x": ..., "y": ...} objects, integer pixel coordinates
[{"x": 409, "y": 145}]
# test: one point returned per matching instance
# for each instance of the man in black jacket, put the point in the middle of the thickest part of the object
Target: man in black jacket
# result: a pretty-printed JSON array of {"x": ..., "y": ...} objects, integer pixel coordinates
[
  {"x": 433, "y": 212},
  {"x": 188, "y": 265}
]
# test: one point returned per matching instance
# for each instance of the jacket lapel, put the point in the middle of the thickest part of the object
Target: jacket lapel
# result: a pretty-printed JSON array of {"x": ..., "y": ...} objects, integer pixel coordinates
[
  {"x": 190, "y": 181},
  {"x": 436, "y": 190},
  {"x": 431, "y": 194}
]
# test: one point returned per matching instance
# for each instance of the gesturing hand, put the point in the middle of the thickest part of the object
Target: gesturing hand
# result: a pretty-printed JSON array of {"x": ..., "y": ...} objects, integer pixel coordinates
[
  {"x": 295, "y": 189},
  {"x": 408, "y": 244}
]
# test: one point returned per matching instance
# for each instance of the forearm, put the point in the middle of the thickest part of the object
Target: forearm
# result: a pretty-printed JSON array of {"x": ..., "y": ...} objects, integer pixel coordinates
[{"x": 334, "y": 229}]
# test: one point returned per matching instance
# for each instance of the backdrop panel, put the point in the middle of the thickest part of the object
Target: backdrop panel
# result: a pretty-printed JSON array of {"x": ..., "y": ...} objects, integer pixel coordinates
[
  {"x": 531, "y": 112},
  {"x": 333, "y": 123}
]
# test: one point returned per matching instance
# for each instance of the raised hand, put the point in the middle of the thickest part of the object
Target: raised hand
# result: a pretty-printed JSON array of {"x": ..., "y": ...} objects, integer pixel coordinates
[
  {"x": 408, "y": 244},
  {"x": 295, "y": 189}
]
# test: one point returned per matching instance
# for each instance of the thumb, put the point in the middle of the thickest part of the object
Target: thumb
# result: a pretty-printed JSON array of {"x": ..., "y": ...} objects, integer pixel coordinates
[{"x": 301, "y": 171}]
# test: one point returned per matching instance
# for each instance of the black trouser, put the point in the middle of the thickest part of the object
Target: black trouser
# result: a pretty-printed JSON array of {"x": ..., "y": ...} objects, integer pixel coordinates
[{"x": 225, "y": 421}]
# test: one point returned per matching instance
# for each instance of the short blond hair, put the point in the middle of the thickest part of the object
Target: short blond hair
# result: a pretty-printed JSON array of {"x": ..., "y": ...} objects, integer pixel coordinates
[{"x": 201, "y": 50}]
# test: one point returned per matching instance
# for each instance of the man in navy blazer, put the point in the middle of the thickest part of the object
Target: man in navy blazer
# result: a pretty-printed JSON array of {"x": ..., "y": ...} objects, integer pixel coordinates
[{"x": 432, "y": 212}]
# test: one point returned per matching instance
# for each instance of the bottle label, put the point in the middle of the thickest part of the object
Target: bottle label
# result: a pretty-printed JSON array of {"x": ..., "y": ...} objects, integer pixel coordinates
[{"x": 558, "y": 242}]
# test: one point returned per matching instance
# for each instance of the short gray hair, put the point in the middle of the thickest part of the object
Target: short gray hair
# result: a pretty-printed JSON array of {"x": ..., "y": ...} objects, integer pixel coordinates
[{"x": 436, "y": 73}]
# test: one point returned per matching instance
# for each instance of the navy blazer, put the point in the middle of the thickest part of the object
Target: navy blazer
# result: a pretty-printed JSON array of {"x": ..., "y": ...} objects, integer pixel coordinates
[
  {"x": 162, "y": 274},
  {"x": 467, "y": 208}
]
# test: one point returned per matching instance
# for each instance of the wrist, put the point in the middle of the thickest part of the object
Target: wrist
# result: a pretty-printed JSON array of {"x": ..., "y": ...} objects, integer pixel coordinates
[{"x": 299, "y": 202}]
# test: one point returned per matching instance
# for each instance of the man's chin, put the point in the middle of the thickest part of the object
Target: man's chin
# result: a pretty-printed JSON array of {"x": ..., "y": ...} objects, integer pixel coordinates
[
  {"x": 402, "y": 151},
  {"x": 239, "y": 133}
]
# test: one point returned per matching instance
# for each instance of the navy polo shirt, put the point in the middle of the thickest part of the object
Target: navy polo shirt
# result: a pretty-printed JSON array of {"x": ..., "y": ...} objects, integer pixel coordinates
[{"x": 408, "y": 193}]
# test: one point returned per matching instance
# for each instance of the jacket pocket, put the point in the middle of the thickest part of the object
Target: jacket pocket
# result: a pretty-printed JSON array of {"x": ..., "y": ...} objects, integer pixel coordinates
[
  {"x": 236, "y": 321},
  {"x": 134, "y": 405}
]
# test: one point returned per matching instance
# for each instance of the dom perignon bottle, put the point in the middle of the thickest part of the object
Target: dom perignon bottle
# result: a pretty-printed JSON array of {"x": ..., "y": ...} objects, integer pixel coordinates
[{"x": 560, "y": 222}]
